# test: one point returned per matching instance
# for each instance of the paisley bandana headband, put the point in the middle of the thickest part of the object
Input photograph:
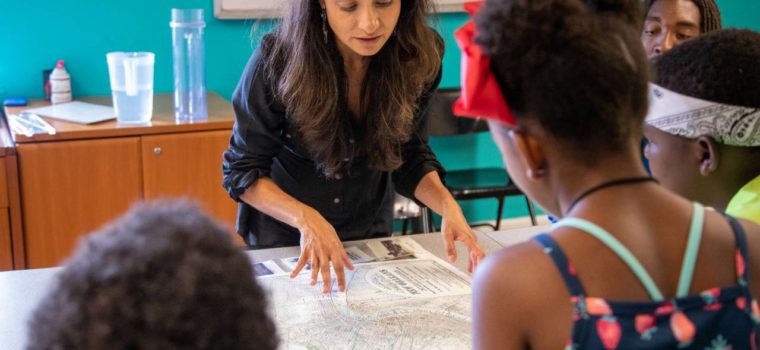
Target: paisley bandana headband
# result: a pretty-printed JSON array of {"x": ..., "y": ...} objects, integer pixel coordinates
[{"x": 691, "y": 117}]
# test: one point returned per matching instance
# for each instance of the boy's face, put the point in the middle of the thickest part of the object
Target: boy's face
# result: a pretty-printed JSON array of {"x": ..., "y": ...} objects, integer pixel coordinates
[
  {"x": 672, "y": 162},
  {"x": 669, "y": 23}
]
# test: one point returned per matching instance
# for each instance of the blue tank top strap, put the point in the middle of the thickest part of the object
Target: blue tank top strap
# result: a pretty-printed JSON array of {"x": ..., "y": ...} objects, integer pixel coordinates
[
  {"x": 573, "y": 284},
  {"x": 619, "y": 249},
  {"x": 742, "y": 262},
  {"x": 692, "y": 249}
]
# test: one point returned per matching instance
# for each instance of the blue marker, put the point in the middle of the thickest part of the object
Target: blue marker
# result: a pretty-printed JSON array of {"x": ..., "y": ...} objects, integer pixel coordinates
[{"x": 15, "y": 101}]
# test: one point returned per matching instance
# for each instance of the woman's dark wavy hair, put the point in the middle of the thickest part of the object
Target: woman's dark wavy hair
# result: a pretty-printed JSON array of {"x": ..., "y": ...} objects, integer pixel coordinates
[
  {"x": 580, "y": 72},
  {"x": 709, "y": 14},
  {"x": 308, "y": 77},
  {"x": 164, "y": 276}
]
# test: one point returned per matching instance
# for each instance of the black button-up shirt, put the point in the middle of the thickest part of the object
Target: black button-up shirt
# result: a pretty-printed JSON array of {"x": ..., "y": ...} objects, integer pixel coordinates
[{"x": 265, "y": 142}]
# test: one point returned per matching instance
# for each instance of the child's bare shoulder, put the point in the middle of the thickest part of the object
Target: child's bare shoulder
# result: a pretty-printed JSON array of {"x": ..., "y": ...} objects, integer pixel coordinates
[{"x": 516, "y": 269}]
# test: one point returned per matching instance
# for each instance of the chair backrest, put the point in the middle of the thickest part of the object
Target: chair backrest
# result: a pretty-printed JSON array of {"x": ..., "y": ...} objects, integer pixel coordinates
[{"x": 441, "y": 118}]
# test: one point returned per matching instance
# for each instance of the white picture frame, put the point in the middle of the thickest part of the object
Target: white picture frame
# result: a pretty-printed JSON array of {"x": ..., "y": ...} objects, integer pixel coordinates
[{"x": 248, "y": 9}]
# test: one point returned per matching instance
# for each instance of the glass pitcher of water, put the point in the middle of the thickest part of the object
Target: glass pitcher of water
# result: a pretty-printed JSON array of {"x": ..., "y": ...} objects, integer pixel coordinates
[{"x": 131, "y": 76}]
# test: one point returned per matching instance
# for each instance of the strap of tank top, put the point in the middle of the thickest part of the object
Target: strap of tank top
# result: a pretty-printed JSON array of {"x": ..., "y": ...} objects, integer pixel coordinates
[
  {"x": 574, "y": 286},
  {"x": 619, "y": 249},
  {"x": 742, "y": 265},
  {"x": 692, "y": 248}
]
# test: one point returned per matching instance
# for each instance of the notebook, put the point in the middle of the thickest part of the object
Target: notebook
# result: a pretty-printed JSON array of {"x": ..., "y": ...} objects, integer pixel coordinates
[{"x": 76, "y": 112}]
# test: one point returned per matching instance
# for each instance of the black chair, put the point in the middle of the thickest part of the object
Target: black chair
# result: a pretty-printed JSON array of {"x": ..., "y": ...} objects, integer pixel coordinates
[{"x": 467, "y": 184}]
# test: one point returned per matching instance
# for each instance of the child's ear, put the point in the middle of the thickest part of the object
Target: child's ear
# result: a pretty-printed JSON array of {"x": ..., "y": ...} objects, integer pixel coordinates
[
  {"x": 531, "y": 154},
  {"x": 709, "y": 156}
]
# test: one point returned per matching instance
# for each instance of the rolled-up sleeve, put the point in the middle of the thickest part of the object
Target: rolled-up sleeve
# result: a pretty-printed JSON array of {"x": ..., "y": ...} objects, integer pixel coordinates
[
  {"x": 256, "y": 135},
  {"x": 419, "y": 159}
]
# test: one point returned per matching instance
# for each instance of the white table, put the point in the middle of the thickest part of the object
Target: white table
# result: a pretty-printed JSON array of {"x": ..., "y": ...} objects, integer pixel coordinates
[
  {"x": 430, "y": 241},
  {"x": 21, "y": 291},
  {"x": 514, "y": 236}
]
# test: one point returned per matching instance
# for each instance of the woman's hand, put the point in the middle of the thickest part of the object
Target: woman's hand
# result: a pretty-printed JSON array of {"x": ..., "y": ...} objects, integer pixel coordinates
[
  {"x": 320, "y": 246},
  {"x": 454, "y": 227}
]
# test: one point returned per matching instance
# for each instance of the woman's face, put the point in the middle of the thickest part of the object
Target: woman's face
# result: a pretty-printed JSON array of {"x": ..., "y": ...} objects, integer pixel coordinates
[
  {"x": 362, "y": 27},
  {"x": 669, "y": 23}
]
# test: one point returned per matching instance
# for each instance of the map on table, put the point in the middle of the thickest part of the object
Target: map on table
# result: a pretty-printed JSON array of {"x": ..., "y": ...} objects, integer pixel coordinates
[{"x": 418, "y": 302}]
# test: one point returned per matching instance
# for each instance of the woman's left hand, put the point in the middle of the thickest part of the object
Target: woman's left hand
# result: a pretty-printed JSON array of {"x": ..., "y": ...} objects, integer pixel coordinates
[
  {"x": 454, "y": 227},
  {"x": 431, "y": 192}
]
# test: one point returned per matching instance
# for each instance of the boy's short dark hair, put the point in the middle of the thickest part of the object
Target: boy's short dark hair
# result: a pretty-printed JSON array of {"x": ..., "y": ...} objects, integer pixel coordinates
[
  {"x": 722, "y": 66},
  {"x": 164, "y": 276}
]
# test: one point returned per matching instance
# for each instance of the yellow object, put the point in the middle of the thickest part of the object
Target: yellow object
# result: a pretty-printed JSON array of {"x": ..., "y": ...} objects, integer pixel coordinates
[{"x": 746, "y": 203}]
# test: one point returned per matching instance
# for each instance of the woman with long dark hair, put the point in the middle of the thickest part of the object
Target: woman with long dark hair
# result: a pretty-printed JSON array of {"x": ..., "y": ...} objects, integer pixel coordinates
[{"x": 329, "y": 121}]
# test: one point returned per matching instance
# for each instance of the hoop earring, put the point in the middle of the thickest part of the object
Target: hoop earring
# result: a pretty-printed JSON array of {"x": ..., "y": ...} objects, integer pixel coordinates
[{"x": 324, "y": 26}]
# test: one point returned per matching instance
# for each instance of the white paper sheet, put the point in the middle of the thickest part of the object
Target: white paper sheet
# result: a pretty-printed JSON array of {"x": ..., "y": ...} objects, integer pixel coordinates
[
  {"x": 76, "y": 112},
  {"x": 416, "y": 302}
]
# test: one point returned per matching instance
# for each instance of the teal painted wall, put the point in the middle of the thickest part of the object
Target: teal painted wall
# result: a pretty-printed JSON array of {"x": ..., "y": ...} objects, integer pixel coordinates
[
  {"x": 36, "y": 33},
  {"x": 743, "y": 14}
]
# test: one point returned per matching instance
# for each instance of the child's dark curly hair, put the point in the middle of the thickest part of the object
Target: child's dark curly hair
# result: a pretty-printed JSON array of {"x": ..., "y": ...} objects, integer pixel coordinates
[
  {"x": 164, "y": 276},
  {"x": 581, "y": 72},
  {"x": 628, "y": 10},
  {"x": 722, "y": 66}
]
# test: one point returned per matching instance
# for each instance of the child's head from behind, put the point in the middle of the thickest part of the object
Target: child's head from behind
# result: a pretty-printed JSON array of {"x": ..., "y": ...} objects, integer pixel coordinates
[
  {"x": 576, "y": 81},
  {"x": 163, "y": 276},
  {"x": 721, "y": 67}
]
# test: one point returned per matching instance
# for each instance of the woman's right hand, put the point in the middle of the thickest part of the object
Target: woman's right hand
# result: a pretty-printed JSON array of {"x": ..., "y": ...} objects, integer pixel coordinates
[{"x": 320, "y": 246}]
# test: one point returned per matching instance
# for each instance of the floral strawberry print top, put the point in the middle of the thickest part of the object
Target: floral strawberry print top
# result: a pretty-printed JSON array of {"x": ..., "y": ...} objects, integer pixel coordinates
[{"x": 718, "y": 318}]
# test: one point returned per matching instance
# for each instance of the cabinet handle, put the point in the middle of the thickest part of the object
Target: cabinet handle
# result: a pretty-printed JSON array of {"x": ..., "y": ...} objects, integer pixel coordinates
[{"x": 157, "y": 150}]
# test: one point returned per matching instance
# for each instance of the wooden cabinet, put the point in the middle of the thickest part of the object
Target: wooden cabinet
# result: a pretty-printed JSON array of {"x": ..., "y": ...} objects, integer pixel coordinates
[
  {"x": 84, "y": 176},
  {"x": 11, "y": 238},
  {"x": 6, "y": 243},
  {"x": 188, "y": 165},
  {"x": 73, "y": 187}
]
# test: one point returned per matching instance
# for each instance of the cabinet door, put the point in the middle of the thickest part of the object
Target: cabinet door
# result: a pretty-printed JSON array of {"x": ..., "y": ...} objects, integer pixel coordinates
[
  {"x": 6, "y": 255},
  {"x": 189, "y": 165},
  {"x": 71, "y": 188},
  {"x": 6, "y": 244}
]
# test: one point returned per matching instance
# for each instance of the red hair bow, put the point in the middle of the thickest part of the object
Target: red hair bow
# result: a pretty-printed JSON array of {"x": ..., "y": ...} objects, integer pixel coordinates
[{"x": 481, "y": 96}]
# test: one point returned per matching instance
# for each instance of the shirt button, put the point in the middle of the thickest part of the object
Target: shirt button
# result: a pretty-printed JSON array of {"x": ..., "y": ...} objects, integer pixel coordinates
[
  {"x": 336, "y": 200},
  {"x": 346, "y": 159},
  {"x": 351, "y": 141},
  {"x": 287, "y": 136},
  {"x": 338, "y": 176}
]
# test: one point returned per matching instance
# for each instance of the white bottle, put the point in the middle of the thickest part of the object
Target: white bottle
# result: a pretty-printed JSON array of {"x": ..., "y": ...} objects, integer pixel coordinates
[{"x": 60, "y": 84}]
